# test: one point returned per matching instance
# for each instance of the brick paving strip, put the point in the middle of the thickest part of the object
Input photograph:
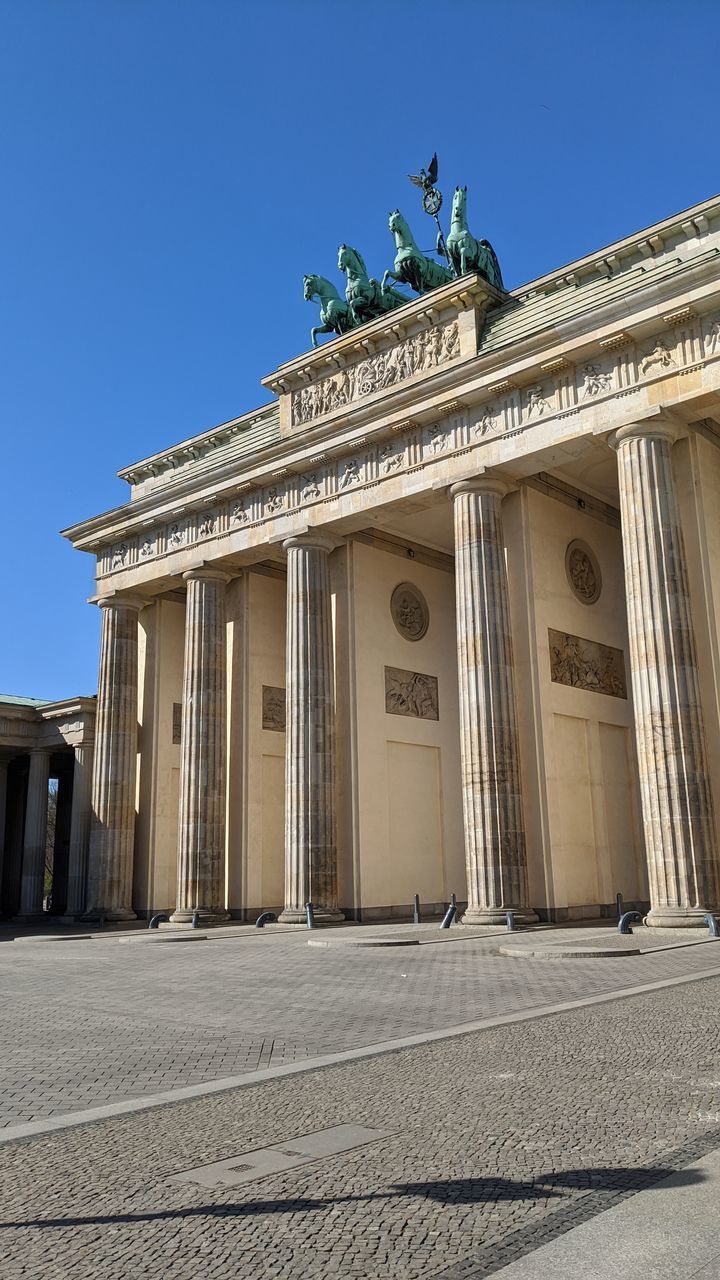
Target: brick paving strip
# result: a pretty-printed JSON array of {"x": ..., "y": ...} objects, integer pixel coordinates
[
  {"x": 33, "y": 1129},
  {"x": 501, "y": 1133},
  {"x": 93, "y": 1024},
  {"x": 498, "y": 1141}
]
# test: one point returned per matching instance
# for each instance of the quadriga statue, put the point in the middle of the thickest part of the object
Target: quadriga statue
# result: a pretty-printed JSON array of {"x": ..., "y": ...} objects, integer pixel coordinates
[
  {"x": 465, "y": 252},
  {"x": 411, "y": 266},
  {"x": 335, "y": 313},
  {"x": 364, "y": 296}
]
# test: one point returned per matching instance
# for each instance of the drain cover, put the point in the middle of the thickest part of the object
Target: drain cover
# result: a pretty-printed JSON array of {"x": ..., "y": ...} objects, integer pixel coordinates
[{"x": 246, "y": 1166}]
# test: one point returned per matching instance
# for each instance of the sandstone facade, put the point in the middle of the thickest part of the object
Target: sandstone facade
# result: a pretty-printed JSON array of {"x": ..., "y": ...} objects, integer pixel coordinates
[{"x": 442, "y": 617}]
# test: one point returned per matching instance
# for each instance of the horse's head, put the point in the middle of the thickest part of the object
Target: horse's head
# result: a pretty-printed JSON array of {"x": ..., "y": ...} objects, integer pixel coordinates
[
  {"x": 350, "y": 260},
  {"x": 459, "y": 204},
  {"x": 309, "y": 287},
  {"x": 400, "y": 229}
]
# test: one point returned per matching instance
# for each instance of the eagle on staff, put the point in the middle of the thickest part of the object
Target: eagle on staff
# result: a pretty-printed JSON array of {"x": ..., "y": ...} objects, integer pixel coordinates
[{"x": 424, "y": 179}]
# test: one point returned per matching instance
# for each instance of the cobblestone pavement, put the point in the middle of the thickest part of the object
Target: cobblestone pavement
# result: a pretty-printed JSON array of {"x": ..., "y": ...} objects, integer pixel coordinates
[
  {"x": 87, "y": 1023},
  {"x": 497, "y": 1141}
]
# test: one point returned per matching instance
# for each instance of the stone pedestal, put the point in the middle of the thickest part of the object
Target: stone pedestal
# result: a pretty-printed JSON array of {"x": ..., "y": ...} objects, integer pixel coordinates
[
  {"x": 492, "y": 803},
  {"x": 79, "y": 831},
  {"x": 112, "y": 823},
  {"x": 310, "y": 839},
  {"x": 678, "y": 820},
  {"x": 35, "y": 841},
  {"x": 201, "y": 833}
]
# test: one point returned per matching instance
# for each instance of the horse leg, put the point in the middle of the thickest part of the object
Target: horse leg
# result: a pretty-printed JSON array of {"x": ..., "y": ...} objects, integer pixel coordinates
[
  {"x": 390, "y": 275},
  {"x": 322, "y": 328}
]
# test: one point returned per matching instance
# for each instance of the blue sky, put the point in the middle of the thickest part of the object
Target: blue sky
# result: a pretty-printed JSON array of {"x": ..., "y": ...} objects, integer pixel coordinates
[{"x": 172, "y": 168}]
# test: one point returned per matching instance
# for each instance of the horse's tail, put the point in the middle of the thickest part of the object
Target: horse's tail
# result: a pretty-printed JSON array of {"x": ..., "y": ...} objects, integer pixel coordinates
[{"x": 497, "y": 279}]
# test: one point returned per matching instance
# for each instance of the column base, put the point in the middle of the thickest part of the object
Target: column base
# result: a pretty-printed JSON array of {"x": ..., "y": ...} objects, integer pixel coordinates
[
  {"x": 322, "y": 915},
  {"x": 497, "y": 915},
  {"x": 207, "y": 916},
  {"x": 677, "y": 917},
  {"x": 31, "y": 917}
]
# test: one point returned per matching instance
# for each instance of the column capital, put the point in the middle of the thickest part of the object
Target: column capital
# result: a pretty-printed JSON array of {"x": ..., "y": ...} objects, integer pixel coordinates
[
  {"x": 206, "y": 573},
  {"x": 120, "y": 599},
  {"x": 481, "y": 484},
  {"x": 660, "y": 425},
  {"x": 311, "y": 541}
]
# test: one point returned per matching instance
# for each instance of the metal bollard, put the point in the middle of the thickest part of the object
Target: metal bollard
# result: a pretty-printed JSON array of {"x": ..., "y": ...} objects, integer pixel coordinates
[
  {"x": 624, "y": 921},
  {"x": 267, "y": 917},
  {"x": 510, "y": 921},
  {"x": 195, "y": 920},
  {"x": 310, "y": 915},
  {"x": 155, "y": 922},
  {"x": 712, "y": 924},
  {"x": 619, "y": 904},
  {"x": 416, "y": 909},
  {"x": 449, "y": 916}
]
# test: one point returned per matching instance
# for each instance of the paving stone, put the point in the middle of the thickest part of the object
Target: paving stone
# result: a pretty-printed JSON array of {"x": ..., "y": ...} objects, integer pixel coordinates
[{"x": 499, "y": 1141}]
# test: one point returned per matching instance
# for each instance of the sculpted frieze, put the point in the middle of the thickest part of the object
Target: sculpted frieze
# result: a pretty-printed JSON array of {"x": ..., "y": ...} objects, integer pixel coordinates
[
  {"x": 537, "y": 402},
  {"x": 596, "y": 380},
  {"x": 712, "y": 337},
  {"x": 273, "y": 708},
  {"x": 410, "y": 693},
  {"x": 421, "y": 353},
  {"x": 617, "y": 371},
  {"x": 585, "y": 664},
  {"x": 658, "y": 357}
]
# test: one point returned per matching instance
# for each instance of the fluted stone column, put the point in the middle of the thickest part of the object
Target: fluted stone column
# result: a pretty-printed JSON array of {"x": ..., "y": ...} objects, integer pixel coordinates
[
  {"x": 35, "y": 840},
  {"x": 201, "y": 833},
  {"x": 310, "y": 839},
  {"x": 492, "y": 802},
  {"x": 678, "y": 820},
  {"x": 79, "y": 830},
  {"x": 112, "y": 823}
]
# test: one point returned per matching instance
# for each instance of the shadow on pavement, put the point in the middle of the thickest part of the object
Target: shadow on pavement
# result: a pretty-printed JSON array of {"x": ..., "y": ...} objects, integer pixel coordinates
[{"x": 450, "y": 1191}]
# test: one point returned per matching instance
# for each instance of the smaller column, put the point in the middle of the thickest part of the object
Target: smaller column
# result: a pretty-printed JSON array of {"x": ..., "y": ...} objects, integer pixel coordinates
[
  {"x": 35, "y": 840},
  {"x": 201, "y": 835},
  {"x": 310, "y": 839},
  {"x": 112, "y": 828},
  {"x": 79, "y": 830},
  {"x": 492, "y": 802}
]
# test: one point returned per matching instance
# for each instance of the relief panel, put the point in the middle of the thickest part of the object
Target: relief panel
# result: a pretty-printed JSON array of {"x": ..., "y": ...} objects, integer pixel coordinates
[
  {"x": 410, "y": 693},
  {"x": 585, "y": 664}
]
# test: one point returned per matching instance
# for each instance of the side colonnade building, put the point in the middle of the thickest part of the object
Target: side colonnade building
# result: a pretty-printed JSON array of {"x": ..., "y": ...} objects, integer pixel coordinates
[{"x": 441, "y": 617}]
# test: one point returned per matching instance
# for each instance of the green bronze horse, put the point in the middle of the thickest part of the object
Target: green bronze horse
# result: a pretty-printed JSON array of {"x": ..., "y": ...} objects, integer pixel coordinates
[
  {"x": 466, "y": 253},
  {"x": 365, "y": 297},
  {"x": 411, "y": 266},
  {"x": 335, "y": 314}
]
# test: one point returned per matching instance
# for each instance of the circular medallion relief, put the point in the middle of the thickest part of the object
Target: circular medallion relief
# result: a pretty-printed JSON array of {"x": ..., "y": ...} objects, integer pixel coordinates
[
  {"x": 583, "y": 571},
  {"x": 409, "y": 611}
]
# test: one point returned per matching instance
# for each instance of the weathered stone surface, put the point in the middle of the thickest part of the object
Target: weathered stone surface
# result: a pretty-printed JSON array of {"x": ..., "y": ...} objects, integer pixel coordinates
[
  {"x": 492, "y": 803},
  {"x": 678, "y": 818},
  {"x": 33, "y": 867},
  {"x": 201, "y": 837},
  {"x": 310, "y": 825},
  {"x": 79, "y": 829},
  {"x": 112, "y": 831}
]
